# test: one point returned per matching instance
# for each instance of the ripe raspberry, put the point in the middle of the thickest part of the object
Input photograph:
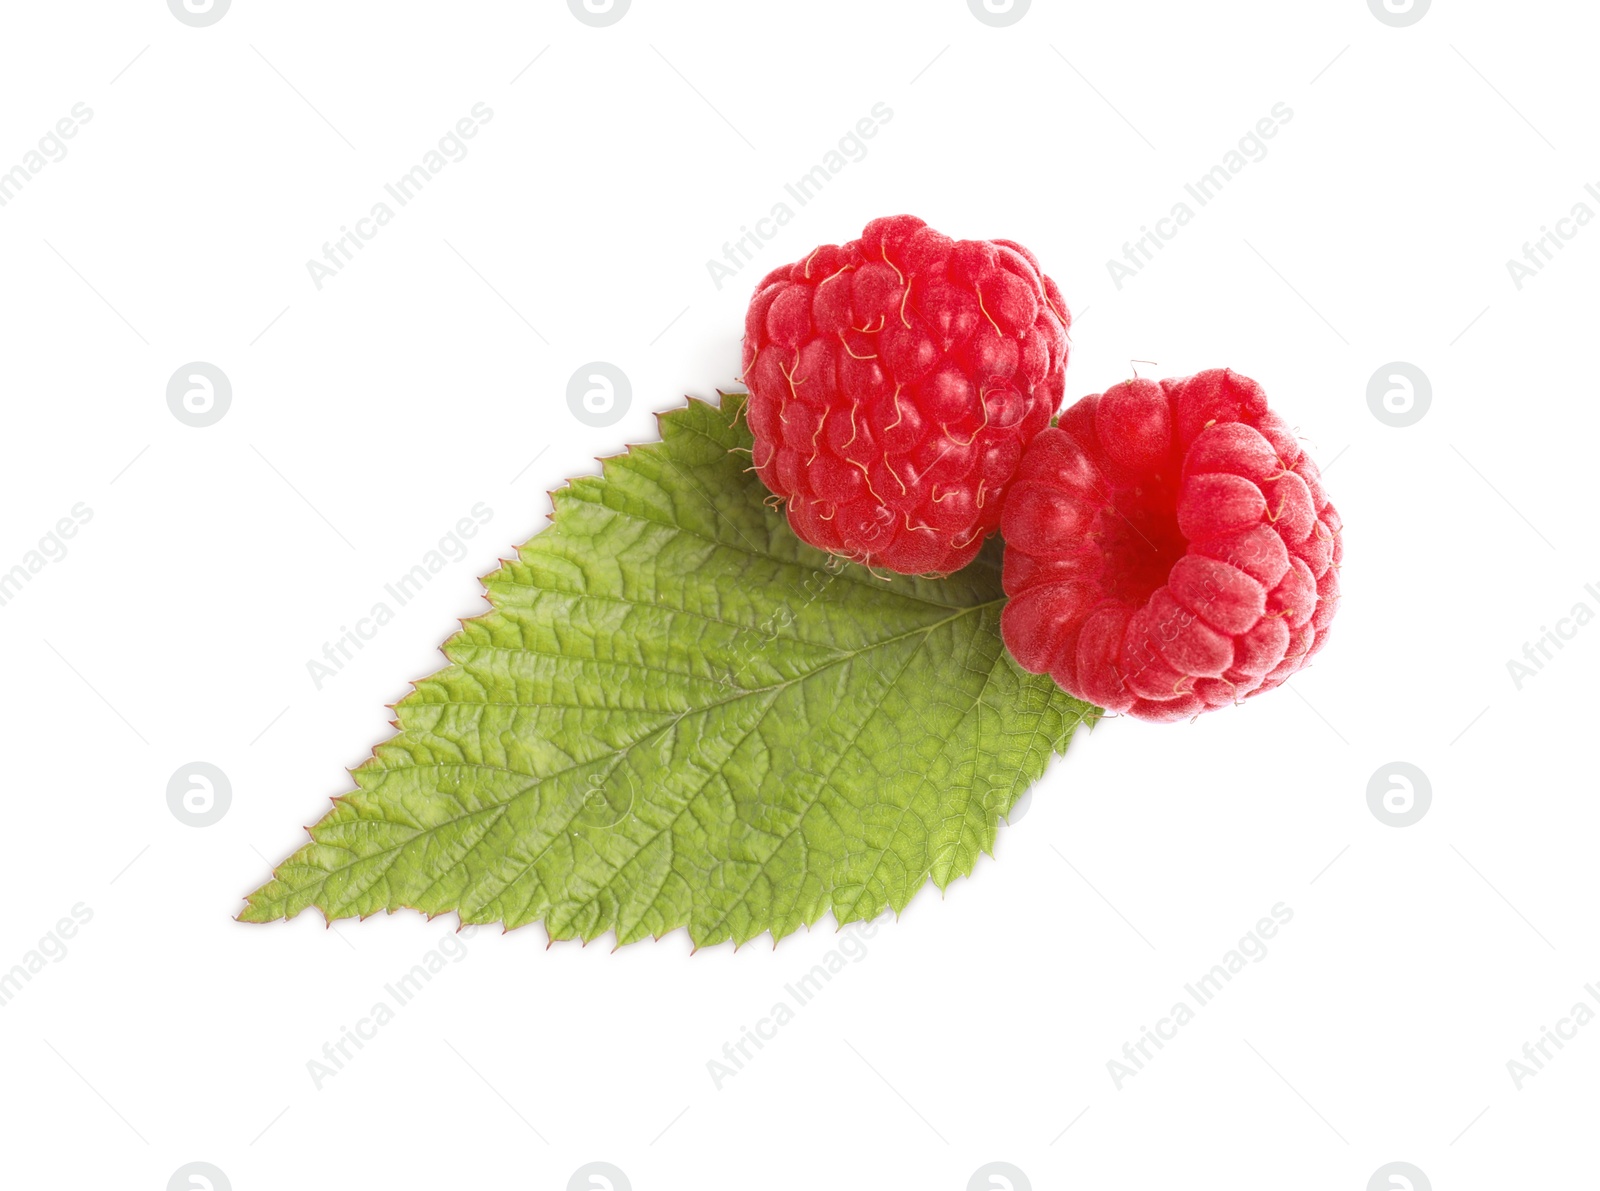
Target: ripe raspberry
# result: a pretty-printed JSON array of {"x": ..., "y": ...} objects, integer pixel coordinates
[
  {"x": 894, "y": 382},
  {"x": 1169, "y": 548}
]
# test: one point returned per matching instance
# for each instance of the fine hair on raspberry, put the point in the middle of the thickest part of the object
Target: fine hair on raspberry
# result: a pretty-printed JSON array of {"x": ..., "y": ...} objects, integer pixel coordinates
[
  {"x": 894, "y": 383},
  {"x": 1169, "y": 548}
]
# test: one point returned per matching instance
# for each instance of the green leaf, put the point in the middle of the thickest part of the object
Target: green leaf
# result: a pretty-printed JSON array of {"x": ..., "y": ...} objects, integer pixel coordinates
[{"x": 678, "y": 715}]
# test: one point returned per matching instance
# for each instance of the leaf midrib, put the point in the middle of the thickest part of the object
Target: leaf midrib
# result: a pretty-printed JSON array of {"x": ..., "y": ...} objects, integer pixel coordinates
[{"x": 499, "y": 809}]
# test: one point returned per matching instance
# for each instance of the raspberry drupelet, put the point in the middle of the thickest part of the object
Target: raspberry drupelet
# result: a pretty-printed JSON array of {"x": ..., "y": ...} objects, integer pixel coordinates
[
  {"x": 894, "y": 382},
  {"x": 1169, "y": 548}
]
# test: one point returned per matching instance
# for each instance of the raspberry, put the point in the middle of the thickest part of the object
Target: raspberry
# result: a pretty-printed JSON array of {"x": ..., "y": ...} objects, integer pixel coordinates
[
  {"x": 894, "y": 382},
  {"x": 1169, "y": 548}
]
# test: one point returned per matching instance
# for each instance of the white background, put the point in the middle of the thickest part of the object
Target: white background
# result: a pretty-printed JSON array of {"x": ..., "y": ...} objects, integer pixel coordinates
[{"x": 369, "y": 415}]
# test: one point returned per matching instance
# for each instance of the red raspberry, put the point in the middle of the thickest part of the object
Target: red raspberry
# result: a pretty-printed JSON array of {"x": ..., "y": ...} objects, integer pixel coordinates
[
  {"x": 1169, "y": 548},
  {"x": 894, "y": 382}
]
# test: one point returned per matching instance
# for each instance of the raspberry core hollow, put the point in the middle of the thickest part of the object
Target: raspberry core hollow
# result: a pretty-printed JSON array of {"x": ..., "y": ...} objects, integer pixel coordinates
[{"x": 1169, "y": 548}]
